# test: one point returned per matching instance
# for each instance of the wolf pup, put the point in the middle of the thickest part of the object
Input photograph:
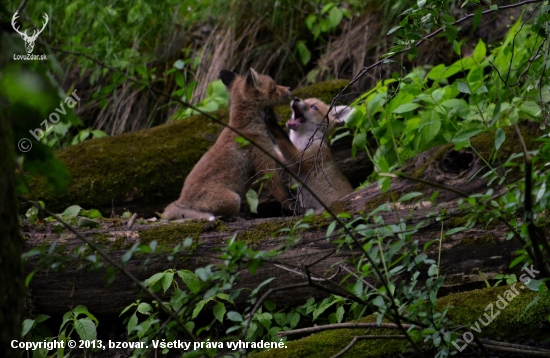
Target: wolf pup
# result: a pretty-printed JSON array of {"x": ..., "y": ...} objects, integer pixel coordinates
[
  {"x": 221, "y": 178},
  {"x": 307, "y": 126}
]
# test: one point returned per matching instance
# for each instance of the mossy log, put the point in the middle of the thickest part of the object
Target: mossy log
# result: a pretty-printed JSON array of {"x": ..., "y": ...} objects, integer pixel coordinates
[
  {"x": 511, "y": 324},
  {"x": 145, "y": 170},
  {"x": 463, "y": 257},
  {"x": 467, "y": 257}
]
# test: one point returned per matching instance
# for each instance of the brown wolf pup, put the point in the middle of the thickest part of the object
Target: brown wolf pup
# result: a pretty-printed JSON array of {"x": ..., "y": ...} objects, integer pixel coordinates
[
  {"x": 299, "y": 150},
  {"x": 219, "y": 181}
]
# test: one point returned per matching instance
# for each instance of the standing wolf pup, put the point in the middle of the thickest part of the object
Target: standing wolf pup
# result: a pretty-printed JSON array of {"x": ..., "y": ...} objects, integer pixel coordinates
[
  {"x": 307, "y": 127},
  {"x": 219, "y": 181}
]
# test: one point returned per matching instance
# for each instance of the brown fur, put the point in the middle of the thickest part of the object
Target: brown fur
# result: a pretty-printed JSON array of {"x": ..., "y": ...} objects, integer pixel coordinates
[
  {"x": 299, "y": 150},
  {"x": 221, "y": 178}
]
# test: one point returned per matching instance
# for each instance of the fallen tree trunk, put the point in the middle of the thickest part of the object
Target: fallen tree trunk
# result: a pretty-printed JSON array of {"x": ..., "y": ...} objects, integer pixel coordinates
[{"x": 465, "y": 256}]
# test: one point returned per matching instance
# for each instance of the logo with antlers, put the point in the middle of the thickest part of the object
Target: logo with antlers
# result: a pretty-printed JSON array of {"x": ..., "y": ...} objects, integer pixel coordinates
[{"x": 29, "y": 40}]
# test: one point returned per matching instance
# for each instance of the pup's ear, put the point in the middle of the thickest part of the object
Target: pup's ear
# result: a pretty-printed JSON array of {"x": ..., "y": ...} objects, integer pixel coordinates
[
  {"x": 341, "y": 113},
  {"x": 253, "y": 80},
  {"x": 227, "y": 78}
]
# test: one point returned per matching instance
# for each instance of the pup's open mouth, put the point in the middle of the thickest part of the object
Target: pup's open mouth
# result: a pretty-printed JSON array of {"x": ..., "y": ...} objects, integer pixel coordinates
[{"x": 297, "y": 117}]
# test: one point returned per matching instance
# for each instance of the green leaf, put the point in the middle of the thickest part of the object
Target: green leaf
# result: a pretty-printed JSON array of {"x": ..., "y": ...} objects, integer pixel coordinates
[
  {"x": 340, "y": 314},
  {"x": 86, "y": 329},
  {"x": 335, "y": 17},
  {"x": 454, "y": 103},
  {"x": 91, "y": 214},
  {"x": 265, "y": 319},
  {"x": 166, "y": 280},
  {"x": 463, "y": 87},
  {"x": 72, "y": 211},
  {"x": 466, "y": 134},
  {"x": 433, "y": 270},
  {"x": 293, "y": 319},
  {"x": 409, "y": 196},
  {"x": 132, "y": 323},
  {"x": 496, "y": 113},
  {"x": 431, "y": 129},
  {"x": 310, "y": 21},
  {"x": 406, "y": 107},
  {"x": 270, "y": 305},
  {"x": 153, "y": 279},
  {"x": 191, "y": 280},
  {"x": 42, "y": 318},
  {"x": 27, "y": 325},
  {"x": 144, "y": 308},
  {"x": 479, "y": 52},
  {"x": 360, "y": 140},
  {"x": 477, "y": 17},
  {"x": 500, "y": 137},
  {"x": 252, "y": 200},
  {"x": 243, "y": 142},
  {"x": 327, "y": 7},
  {"x": 531, "y": 108},
  {"x": 179, "y": 64},
  {"x": 303, "y": 51},
  {"x": 219, "y": 311},
  {"x": 455, "y": 230},
  {"x": 330, "y": 229},
  {"x": 32, "y": 214},
  {"x": 85, "y": 222},
  {"x": 393, "y": 29},
  {"x": 180, "y": 80},
  {"x": 436, "y": 72},
  {"x": 200, "y": 306},
  {"x": 234, "y": 316}
]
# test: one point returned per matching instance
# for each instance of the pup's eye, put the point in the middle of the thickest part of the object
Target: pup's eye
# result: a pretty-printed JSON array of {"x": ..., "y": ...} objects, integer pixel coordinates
[{"x": 314, "y": 108}]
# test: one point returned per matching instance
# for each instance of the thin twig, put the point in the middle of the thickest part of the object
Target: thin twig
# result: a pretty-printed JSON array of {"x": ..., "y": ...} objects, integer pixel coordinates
[
  {"x": 514, "y": 348},
  {"x": 328, "y": 327}
]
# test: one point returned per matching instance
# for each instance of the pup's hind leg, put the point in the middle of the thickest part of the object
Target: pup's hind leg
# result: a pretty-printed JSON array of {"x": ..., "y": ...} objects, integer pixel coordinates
[{"x": 223, "y": 202}]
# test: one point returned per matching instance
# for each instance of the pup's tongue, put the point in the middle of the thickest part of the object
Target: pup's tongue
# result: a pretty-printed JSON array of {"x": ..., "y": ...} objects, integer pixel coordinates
[{"x": 297, "y": 118}]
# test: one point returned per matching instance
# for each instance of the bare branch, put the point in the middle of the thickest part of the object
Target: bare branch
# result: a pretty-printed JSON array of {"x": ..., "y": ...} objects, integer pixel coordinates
[{"x": 329, "y": 327}]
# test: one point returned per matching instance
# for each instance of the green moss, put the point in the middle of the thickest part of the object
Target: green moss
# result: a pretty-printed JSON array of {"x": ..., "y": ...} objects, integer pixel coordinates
[
  {"x": 382, "y": 199},
  {"x": 321, "y": 222},
  {"x": 58, "y": 229},
  {"x": 262, "y": 231},
  {"x": 464, "y": 309},
  {"x": 418, "y": 173},
  {"x": 111, "y": 243},
  {"x": 338, "y": 207},
  {"x": 148, "y": 165},
  {"x": 101, "y": 238},
  {"x": 455, "y": 221},
  {"x": 484, "y": 240},
  {"x": 511, "y": 321},
  {"x": 172, "y": 234}
]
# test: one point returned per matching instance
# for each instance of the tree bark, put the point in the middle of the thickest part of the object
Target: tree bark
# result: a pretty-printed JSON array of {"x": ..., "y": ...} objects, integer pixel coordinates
[{"x": 467, "y": 257}]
